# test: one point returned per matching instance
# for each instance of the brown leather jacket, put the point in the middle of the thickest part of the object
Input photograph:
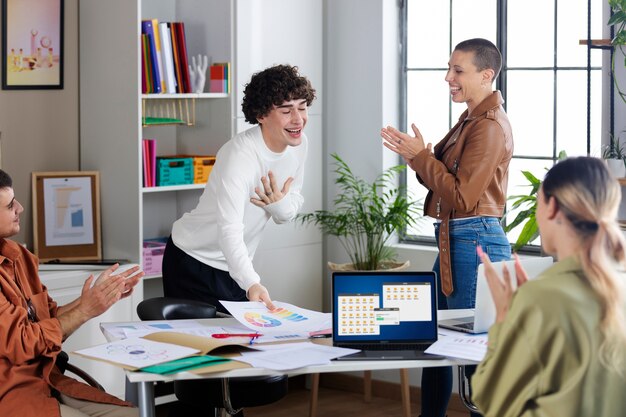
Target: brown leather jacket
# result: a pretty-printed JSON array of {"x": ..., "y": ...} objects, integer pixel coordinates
[
  {"x": 28, "y": 349},
  {"x": 470, "y": 174},
  {"x": 467, "y": 174}
]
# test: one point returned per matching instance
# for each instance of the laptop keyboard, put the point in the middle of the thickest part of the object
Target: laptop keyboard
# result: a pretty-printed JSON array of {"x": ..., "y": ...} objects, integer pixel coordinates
[
  {"x": 395, "y": 346},
  {"x": 469, "y": 326}
]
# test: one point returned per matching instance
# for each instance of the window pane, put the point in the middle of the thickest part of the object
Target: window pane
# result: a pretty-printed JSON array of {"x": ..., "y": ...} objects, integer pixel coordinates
[
  {"x": 571, "y": 27},
  {"x": 428, "y": 100},
  {"x": 428, "y": 34},
  {"x": 530, "y": 106},
  {"x": 571, "y": 117},
  {"x": 424, "y": 228},
  {"x": 473, "y": 19},
  {"x": 530, "y": 33}
]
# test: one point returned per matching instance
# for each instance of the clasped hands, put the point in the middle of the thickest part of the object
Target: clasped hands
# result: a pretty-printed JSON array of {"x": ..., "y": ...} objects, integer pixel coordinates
[
  {"x": 270, "y": 192},
  {"x": 403, "y": 144},
  {"x": 501, "y": 288}
]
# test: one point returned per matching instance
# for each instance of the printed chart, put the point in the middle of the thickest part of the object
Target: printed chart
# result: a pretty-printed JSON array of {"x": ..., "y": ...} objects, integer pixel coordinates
[
  {"x": 136, "y": 352},
  {"x": 286, "y": 318}
]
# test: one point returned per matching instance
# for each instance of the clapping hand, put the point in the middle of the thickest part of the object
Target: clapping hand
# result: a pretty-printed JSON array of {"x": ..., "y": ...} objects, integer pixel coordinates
[
  {"x": 402, "y": 143},
  {"x": 501, "y": 288},
  {"x": 107, "y": 290}
]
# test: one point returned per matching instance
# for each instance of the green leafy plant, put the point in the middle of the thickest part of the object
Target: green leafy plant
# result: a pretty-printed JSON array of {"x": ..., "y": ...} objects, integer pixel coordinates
[
  {"x": 366, "y": 215},
  {"x": 527, "y": 204},
  {"x": 618, "y": 21},
  {"x": 614, "y": 150}
]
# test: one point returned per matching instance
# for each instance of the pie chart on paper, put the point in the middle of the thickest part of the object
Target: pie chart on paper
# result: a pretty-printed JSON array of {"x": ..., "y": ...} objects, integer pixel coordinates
[{"x": 261, "y": 320}]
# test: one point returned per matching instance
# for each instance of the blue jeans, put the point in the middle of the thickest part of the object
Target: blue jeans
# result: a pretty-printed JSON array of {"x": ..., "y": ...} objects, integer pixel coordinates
[{"x": 465, "y": 236}]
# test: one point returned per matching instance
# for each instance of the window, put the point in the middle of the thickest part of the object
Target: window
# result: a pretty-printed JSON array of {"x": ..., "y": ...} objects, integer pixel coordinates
[{"x": 543, "y": 79}]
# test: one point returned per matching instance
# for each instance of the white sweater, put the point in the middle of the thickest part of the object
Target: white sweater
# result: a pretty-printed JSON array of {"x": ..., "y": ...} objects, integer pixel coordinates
[{"x": 225, "y": 228}]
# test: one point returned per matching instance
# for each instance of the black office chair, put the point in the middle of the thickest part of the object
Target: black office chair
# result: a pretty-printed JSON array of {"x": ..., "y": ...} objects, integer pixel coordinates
[{"x": 231, "y": 395}]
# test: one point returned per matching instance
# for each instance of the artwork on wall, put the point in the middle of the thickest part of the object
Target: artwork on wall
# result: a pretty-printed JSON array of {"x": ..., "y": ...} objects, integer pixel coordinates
[
  {"x": 32, "y": 44},
  {"x": 66, "y": 215}
]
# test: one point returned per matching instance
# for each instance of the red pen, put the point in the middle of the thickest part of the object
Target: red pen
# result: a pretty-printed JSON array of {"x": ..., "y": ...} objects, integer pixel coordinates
[{"x": 225, "y": 335}]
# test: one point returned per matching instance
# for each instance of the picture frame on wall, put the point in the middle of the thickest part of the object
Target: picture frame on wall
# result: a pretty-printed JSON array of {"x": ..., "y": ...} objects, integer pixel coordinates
[
  {"x": 32, "y": 44},
  {"x": 66, "y": 216}
]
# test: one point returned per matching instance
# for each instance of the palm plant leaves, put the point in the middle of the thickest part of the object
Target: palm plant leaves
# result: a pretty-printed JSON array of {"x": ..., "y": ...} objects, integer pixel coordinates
[{"x": 366, "y": 214}]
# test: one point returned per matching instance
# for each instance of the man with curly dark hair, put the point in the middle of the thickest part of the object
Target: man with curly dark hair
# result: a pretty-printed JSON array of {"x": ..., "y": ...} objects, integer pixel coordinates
[{"x": 257, "y": 176}]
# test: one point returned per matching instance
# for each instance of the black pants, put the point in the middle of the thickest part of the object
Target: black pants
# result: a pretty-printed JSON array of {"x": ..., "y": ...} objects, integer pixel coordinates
[{"x": 187, "y": 277}]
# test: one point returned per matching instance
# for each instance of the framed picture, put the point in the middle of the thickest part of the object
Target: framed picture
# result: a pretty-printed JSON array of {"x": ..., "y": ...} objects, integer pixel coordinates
[
  {"x": 66, "y": 216},
  {"x": 32, "y": 44}
]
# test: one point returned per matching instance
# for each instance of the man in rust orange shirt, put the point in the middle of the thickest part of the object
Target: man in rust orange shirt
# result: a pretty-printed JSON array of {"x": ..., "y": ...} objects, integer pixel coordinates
[{"x": 33, "y": 326}]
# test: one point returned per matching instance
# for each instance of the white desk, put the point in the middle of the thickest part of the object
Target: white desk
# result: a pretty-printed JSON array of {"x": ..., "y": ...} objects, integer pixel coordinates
[{"x": 145, "y": 387}]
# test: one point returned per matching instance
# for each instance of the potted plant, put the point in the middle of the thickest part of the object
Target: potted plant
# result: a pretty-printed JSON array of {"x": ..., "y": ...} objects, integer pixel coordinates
[
  {"x": 527, "y": 204},
  {"x": 365, "y": 217},
  {"x": 614, "y": 155}
]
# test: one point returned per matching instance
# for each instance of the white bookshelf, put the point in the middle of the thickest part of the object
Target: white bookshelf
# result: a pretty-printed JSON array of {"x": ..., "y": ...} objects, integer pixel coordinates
[{"x": 111, "y": 117}]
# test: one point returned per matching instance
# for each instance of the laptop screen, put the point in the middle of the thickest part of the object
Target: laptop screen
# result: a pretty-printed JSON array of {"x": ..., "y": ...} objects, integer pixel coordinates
[{"x": 384, "y": 307}]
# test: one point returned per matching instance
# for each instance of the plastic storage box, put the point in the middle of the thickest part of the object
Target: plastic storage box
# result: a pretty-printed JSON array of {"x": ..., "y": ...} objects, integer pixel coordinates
[
  {"x": 153, "y": 255},
  {"x": 202, "y": 166},
  {"x": 174, "y": 171}
]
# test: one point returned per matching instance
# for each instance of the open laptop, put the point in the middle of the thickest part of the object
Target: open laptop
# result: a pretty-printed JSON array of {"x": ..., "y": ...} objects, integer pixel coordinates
[
  {"x": 485, "y": 310},
  {"x": 387, "y": 315}
]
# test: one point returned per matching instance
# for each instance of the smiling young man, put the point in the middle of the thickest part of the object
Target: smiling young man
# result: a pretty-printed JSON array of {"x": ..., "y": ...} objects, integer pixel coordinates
[
  {"x": 258, "y": 176},
  {"x": 33, "y": 327}
]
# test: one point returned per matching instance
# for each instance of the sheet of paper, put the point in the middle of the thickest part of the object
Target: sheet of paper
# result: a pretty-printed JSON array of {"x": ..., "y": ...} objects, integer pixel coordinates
[
  {"x": 285, "y": 319},
  {"x": 292, "y": 355},
  {"x": 137, "y": 352},
  {"x": 460, "y": 345},
  {"x": 138, "y": 329}
]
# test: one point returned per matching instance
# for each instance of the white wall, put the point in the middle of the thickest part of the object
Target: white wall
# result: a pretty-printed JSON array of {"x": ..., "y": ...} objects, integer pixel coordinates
[
  {"x": 361, "y": 63},
  {"x": 266, "y": 33}
]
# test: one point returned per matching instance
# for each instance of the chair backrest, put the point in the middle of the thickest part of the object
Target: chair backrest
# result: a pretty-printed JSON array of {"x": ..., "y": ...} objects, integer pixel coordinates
[{"x": 167, "y": 308}]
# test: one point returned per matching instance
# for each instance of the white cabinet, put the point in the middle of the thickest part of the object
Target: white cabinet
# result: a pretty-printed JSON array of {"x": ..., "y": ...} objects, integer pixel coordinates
[{"x": 65, "y": 286}]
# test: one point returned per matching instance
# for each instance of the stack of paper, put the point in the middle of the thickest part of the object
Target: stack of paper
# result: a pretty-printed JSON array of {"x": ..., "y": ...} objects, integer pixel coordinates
[{"x": 460, "y": 345}]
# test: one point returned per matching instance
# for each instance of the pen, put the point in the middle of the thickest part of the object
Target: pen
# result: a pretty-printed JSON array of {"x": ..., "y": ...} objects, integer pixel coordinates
[{"x": 225, "y": 335}]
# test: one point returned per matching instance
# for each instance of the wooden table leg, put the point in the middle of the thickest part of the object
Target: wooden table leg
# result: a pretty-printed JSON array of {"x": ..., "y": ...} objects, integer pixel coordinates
[
  {"x": 315, "y": 384},
  {"x": 405, "y": 392},
  {"x": 367, "y": 386}
]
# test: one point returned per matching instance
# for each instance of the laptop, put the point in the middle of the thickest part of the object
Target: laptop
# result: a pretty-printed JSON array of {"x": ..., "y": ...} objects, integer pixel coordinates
[
  {"x": 485, "y": 310},
  {"x": 387, "y": 315}
]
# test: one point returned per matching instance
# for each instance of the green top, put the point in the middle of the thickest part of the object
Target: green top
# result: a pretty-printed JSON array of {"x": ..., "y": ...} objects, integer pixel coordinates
[{"x": 543, "y": 359}]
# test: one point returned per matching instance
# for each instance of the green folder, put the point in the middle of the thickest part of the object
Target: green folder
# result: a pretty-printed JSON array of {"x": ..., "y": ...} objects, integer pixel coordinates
[
  {"x": 184, "y": 364},
  {"x": 162, "y": 121}
]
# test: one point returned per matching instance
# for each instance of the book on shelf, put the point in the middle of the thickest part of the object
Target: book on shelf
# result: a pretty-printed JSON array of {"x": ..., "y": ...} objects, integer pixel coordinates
[
  {"x": 145, "y": 65},
  {"x": 149, "y": 162},
  {"x": 165, "y": 64},
  {"x": 159, "y": 53},
  {"x": 219, "y": 77},
  {"x": 144, "y": 87},
  {"x": 179, "y": 32},
  {"x": 167, "y": 58},
  {"x": 155, "y": 79},
  {"x": 175, "y": 58}
]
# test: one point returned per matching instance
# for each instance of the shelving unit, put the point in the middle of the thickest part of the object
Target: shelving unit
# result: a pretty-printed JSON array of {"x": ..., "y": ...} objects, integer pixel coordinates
[{"x": 111, "y": 84}]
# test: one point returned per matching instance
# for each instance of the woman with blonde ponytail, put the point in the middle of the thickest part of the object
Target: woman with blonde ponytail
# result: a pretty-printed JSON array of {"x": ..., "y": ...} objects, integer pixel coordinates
[{"x": 558, "y": 347}]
